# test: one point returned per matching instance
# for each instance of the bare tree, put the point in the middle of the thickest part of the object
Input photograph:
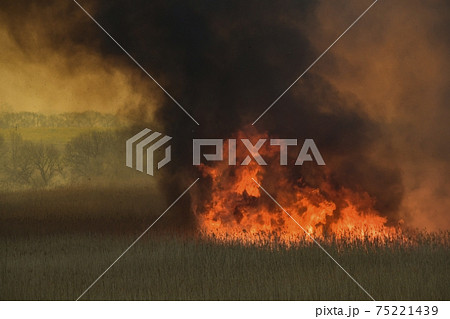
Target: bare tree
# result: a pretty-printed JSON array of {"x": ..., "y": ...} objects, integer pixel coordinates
[
  {"x": 47, "y": 160},
  {"x": 85, "y": 153},
  {"x": 19, "y": 167},
  {"x": 2, "y": 153}
]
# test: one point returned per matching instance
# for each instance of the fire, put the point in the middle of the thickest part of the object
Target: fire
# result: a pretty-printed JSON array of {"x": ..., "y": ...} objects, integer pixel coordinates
[{"x": 236, "y": 209}]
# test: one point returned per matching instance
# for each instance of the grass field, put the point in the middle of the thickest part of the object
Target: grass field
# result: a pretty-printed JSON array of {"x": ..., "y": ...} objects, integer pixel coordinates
[
  {"x": 55, "y": 244},
  {"x": 49, "y": 135}
]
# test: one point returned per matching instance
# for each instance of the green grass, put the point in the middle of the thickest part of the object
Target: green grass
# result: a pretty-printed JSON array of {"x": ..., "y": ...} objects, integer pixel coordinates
[
  {"x": 61, "y": 267},
  {"x": 55, "y": 244}
]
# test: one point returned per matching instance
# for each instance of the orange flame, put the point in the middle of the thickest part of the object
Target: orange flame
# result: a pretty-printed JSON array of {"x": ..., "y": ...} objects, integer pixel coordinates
[{"x": 237, "y": 210}]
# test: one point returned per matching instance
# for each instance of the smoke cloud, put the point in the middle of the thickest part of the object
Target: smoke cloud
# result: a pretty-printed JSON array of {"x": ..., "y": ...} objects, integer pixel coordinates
[
  {"x": 374, "y": 104},
  {"x": 393, "y": 62},
  {"x": 50, "y": 61}
]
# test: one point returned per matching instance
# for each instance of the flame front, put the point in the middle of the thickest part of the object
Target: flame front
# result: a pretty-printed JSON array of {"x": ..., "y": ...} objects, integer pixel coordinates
[{"x": 238, "y": 210}]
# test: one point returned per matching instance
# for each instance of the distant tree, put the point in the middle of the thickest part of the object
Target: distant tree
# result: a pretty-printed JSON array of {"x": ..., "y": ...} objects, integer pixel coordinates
[
  {"x": 110, "y": 120},
  {"x": 91, "y": 118},
  {"x": 84, "y": 153},
  {"x": 2, "y": 149},
  {"x": 19, "y": 166},
  {"x": 47, "y": 160},
  {"x": 3, "y": 121}
]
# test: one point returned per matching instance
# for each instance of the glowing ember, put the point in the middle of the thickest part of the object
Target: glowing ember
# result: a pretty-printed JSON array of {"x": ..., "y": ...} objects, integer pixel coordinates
[{"x": 236, "y": 209}]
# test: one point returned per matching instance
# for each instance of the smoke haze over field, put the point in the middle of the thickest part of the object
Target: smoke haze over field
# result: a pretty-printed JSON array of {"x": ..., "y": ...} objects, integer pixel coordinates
[
  {"x": 375, "y": 104},
  {"x": 396, "y": 64},
  {"x": 51, "y": 62}
]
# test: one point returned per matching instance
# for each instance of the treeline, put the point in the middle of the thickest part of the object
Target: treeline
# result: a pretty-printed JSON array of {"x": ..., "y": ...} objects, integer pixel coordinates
[
  {"x": 69, "y": 119},
  {"x": 91, "y": 155}
]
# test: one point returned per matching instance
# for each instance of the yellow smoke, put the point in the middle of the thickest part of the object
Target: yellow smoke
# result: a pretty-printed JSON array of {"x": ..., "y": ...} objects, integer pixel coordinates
[{"x": 40, "y": 74}]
